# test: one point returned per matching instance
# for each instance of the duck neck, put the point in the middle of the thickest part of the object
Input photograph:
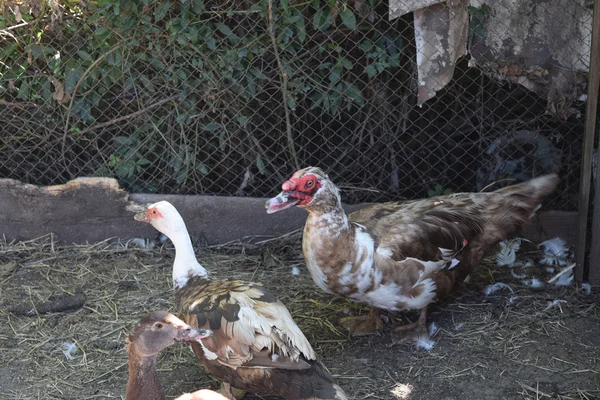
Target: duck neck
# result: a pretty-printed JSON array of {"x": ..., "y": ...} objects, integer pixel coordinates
[
  {"x": 143, "y": 382},
  {"x": 328, "y": 222},
  {"x": 185, "y": 265}
]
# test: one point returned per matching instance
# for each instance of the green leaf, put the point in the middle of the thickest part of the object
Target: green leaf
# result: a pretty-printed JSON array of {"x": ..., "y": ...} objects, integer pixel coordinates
[
  {"x": 161, "y": 10},
  {"x": 202, "y": 168},
  {"x": 72, "y": 77},
  {"x": 38, "y": 51},
  {"x": 211, "y": 43},
  {"x": 257, "y": 73},
  {"x": 291, "y": 103},
  {"x": 142, "y": 161},
  {"x": 84, "y": 56},
  {"x": 225, "y": 30},
  {"x": 354, "y": 93},
  {"x": 260, "y": 164},
  {"x": 83, "y": 109},
  {"x": 335, "y": 74},
  {"x": 371, "y": 70},
  {"x": 348, "y": 18},
  {"x": 23, "y": 91},
  {"x": 182, "y": 74},
  {"x": 159, "y": 65},
  {"x": 95, "y": 98},
  {"x": 317, "y": 99},
  {"x": 242, "y": 120},
  {"x": 366, "y": 45},
  {"x": 301, "y": 27},
  {"x": 322, "y": 20},
  {"x": 45, "y": 90},
  {"x": 345, "y": 62},
  {"x": 212, "y": 126},
  {"x": 102, "y": 32}
]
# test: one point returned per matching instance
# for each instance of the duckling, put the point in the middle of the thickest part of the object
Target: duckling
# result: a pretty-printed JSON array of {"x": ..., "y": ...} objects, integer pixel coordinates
[{"x": 154, "y": 333}]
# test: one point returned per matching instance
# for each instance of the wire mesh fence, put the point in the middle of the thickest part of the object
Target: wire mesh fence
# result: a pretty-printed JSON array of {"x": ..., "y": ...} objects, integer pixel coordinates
[{"x": 230, "y": 97}]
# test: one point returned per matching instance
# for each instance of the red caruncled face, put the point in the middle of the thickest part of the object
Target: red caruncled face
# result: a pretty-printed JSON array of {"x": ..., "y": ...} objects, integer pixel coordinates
[{"x": 302, "y": 188}]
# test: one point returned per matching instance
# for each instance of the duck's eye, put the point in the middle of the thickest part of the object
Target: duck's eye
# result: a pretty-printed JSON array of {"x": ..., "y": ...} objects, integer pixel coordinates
[
  {"x": 310, "y": 184},
  {"x": 154, "y": 212},
  {"x": 158, "y": 325}
]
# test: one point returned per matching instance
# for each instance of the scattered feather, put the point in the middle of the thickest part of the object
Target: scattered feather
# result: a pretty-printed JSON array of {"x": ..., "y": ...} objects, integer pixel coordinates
[
  {"x": 433, "y": 328},
  {"x": 556, "y": 247},
  {"x": 69, "y": 349},
  {"x": 533, "y": 283},
  {"x": 508, "y": 253},
  {"x": 423, "y": 342},
  {"x": 491, "y": 289},
  {"x": 160, "y": 240},
  {"x": 587, "y": 288},
  {"x": 554, "y": 303},
  {"x": 528, "y": 263},
  {"x": 549, "y": 270},
  {"x": 512, "y": 299},
  {"x": 555, "y": 251},
  {"x": 346, "y": 311},
  {"x": 565, "y": 279},
  {"x": 518, "y": 276},
  {"x": 140, "y": 243},
  {"x": 458, "y": 327},
  {"x": 295, "y": 270},
  {"x": 274, "y": 357}
]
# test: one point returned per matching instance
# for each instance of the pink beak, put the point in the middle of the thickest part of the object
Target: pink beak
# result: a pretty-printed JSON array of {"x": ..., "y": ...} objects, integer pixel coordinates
[{"x": 280, "y": 202}]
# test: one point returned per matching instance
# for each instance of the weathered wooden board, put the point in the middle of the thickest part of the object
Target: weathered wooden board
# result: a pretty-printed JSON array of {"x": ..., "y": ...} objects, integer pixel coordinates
[{"x": 89, "y": 210}]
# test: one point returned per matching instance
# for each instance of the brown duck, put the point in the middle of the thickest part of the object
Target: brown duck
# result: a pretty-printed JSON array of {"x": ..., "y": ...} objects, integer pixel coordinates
[
  {"x": 256, "y": 346},
  {"x": 402, "y": 255},
  {"x": 154, "y": 333}
]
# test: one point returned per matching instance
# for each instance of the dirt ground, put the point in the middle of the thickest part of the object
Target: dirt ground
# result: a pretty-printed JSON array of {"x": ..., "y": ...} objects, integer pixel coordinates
[{"x": 507, "y": 345}]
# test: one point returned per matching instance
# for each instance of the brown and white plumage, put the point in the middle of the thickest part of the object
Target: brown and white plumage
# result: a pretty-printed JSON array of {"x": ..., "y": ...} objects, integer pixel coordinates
[
  {"x": 255, "y": 344},
  {"x": 402, "y": 255}
]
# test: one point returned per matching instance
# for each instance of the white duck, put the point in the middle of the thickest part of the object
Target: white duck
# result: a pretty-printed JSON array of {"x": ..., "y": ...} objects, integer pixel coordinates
[{"x": 256, "y": 346}]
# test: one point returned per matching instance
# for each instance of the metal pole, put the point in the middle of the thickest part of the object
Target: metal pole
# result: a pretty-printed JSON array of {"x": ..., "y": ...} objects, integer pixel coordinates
[{"x": 586, "y": 168}]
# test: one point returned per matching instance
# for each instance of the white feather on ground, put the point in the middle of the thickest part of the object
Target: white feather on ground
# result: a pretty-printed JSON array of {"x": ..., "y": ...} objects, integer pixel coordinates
[
  {"x": 295, "y": 270},
  {"x": 565, "y": 279},
  {"x": 423, "y": 342},
  {"x": 554, "y": 303},
  {"x": 491, "y": 289},
  {"x": 533, "y": 283},
  {"x": 518, "y": 276},
  {"x": 508, "y": 253},
  {"x": 433, "y": 328},
  {"x": 555, "y": 252},
  {"x": 69, "y": 349},
  {"x": 526, "y": 263},
  {"x": 587, "y": 288}
]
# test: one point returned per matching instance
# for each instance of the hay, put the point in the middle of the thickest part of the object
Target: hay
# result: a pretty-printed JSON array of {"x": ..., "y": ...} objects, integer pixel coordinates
[{"x": 486, "y": 346}]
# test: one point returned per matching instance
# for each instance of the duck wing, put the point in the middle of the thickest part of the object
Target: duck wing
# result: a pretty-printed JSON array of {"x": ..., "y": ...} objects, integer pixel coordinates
[{"x": 251, "y": 327}]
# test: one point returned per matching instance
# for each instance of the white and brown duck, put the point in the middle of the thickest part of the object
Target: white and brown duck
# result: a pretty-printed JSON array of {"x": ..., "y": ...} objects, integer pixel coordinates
[
  {"x": 400, "y": 256},
  {"x": 256, "y": 346},
  {"x": 154, "y": 333}
]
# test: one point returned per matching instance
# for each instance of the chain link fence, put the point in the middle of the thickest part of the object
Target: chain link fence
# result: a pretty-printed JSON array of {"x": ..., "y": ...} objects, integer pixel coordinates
[{"x": 230, "y": 97}]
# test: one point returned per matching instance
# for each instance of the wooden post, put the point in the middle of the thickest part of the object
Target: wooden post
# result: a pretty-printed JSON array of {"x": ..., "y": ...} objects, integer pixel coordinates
[{"x": 592, "y": 272}]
